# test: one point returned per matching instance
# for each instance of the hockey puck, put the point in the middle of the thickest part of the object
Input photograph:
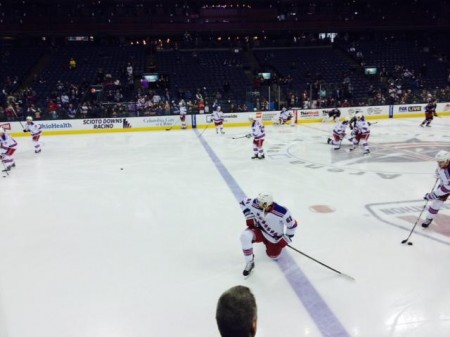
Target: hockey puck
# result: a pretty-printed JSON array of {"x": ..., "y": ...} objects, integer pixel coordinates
[
  {"x": 121, "y": 168},
  {"x": 410, "y": 243}
]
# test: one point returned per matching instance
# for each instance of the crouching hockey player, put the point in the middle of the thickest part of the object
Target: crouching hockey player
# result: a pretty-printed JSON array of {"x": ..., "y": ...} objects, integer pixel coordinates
[
  {"x": 267, "y": 222},
  {"x": 361, "y": 133},
  {"x": 338, "y": 134}
]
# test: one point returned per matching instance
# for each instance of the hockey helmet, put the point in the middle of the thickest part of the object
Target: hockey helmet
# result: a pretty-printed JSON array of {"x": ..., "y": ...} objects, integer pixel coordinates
[
  {"x": 29, "y": 118},
  {"x": 442, "y": 156},
  {"x": 2, "y": 131},
  {"x": 265, "y": 199},
  {"x": 359, "y": 115}
]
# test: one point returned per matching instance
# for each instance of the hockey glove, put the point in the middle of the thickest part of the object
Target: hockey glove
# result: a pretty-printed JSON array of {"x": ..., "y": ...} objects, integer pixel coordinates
[
  {"x": 285, "y": 240},
  {"x": 430, "y": 196}
]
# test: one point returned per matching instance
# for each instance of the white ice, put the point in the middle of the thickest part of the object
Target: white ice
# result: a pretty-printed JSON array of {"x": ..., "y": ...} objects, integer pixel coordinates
[{"x": 90, "y": 250}]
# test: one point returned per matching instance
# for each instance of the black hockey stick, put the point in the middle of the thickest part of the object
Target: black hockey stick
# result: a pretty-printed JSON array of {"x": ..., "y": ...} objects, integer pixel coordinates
[
  {"x": 5, "y": 170},
  {"x": 245, "y": 136},
  {"x": 417, "y": 221},
  {"x": 171, "y": 127},
  {"x": 207, "y": 126},
  {"x": 14, "y": 111},
  {"x": 323, "y": 264}
]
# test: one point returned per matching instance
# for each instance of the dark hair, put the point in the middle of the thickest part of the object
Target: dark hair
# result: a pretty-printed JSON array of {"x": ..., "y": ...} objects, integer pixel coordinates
[{"x": 236, "y": 312}]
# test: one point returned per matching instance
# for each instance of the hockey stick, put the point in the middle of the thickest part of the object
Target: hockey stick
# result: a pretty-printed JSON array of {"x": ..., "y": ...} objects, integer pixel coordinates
[
  {"x": 17, "y": 117},
  {"x": 171, "y": 127},
  {"x": 323, "y": 264},
  {"x": 207, "y": 126},
  {"x": 417, "y": 221},
  {"x": 4, "y": 171},
  {"x": 245, "y": 136}
]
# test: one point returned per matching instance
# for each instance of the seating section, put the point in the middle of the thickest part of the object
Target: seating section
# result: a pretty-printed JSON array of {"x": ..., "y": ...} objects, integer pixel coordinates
[
  {"x": 228, "y": 75},
  {"x": 213, "y": 69},
  {"x": 90, "y": 59},
  {"x": 308, "y": 65},
  {"x": 391, "y": 53},
  {"x": 16, "y": 63}
]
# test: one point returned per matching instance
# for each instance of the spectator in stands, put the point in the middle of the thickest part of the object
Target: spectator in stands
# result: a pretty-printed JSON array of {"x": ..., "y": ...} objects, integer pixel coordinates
[
  {"x": 236, "y": 313},
  {"x": 72, "y": 64},
  {"x": 84, "y": 110},
  {"x": 71, "y": 111},
  {"x": 52, "y": 109}
]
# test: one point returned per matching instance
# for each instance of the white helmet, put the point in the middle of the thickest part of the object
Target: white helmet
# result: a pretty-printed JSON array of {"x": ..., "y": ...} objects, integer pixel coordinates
[
  {"x": 265, "y": 199},
  {"x": 442, "y": 156},
  {"x": 29, "y": 118}
]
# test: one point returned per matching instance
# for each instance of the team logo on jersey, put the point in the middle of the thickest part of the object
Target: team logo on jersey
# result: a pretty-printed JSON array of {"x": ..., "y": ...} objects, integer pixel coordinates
[
  {"x": 5, "y": 126},
  {"x": 404, "y": 214}
]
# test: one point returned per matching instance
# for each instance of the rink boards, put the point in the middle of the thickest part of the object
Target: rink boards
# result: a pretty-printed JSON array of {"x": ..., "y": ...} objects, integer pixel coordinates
[{"x": 170, "y": 122}]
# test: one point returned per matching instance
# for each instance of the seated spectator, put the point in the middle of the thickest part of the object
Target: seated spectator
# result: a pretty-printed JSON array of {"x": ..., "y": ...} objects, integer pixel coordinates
[
  {"x": 72, "y": 63},
  {"x": 236, "y": 313},
  {"x": 71, "y": 111}
]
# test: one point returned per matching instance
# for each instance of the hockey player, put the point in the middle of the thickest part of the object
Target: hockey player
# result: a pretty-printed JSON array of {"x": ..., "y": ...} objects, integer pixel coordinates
[
  {"x": 361, "y": 133},
  {"x": 258, "y": 134},
  {"x": 35, "y": 130},
  {"x": 267, "y": 222},
  {"x": 217, "y": 118},
  {"x": 183, "y": 112},
  {"x": 338, "y": 134},
  {"x": 7, "y": 148},
  {"x": 285, "y": 116},
  {"x": 334, "y": 114},
  {"x": 430, "y": 112},
  {"x": 440, "y": 194}
]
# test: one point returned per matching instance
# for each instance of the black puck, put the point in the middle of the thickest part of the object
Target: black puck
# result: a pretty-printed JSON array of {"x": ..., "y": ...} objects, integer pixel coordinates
[{"x": 410, "y": 243}]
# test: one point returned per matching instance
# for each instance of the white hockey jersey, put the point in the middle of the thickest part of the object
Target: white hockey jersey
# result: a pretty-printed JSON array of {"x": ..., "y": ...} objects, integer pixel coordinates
[
  {"x": 7, "y": 142},
  {"x": 217, "y": 116},
  {"x": 340, "y": 128},
  {"x": 444, "y": 182},
  {"x": 274, "y": 224},
  {"x": 362, "y": 127},
  {"x": 35, "y": 129},
  {"x": 258, "y": 130},
  {"x": 286, "y": 115}
]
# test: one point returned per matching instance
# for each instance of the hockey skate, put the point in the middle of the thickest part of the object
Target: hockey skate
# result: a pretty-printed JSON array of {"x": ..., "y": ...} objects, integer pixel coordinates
[
  {"x": 249, "y": 267},
  {"x": 366, "y": 151},
  {"x": 328, "y": 140},
  {"x": 427, "y": 222},
  {"x": 38, "y": 151},
  {"x": 255, "y": 156},
  {"x": 262, "y": 156}
]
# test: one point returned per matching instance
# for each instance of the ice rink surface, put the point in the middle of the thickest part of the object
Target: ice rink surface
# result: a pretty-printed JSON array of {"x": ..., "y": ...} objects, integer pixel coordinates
[{"x": 137, "y": 234}]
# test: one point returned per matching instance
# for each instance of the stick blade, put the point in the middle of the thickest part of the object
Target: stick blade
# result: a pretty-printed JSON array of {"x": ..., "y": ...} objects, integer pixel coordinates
[
  {"x": 348, "y": 277},
  {"x": 404, "y": 241}
]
